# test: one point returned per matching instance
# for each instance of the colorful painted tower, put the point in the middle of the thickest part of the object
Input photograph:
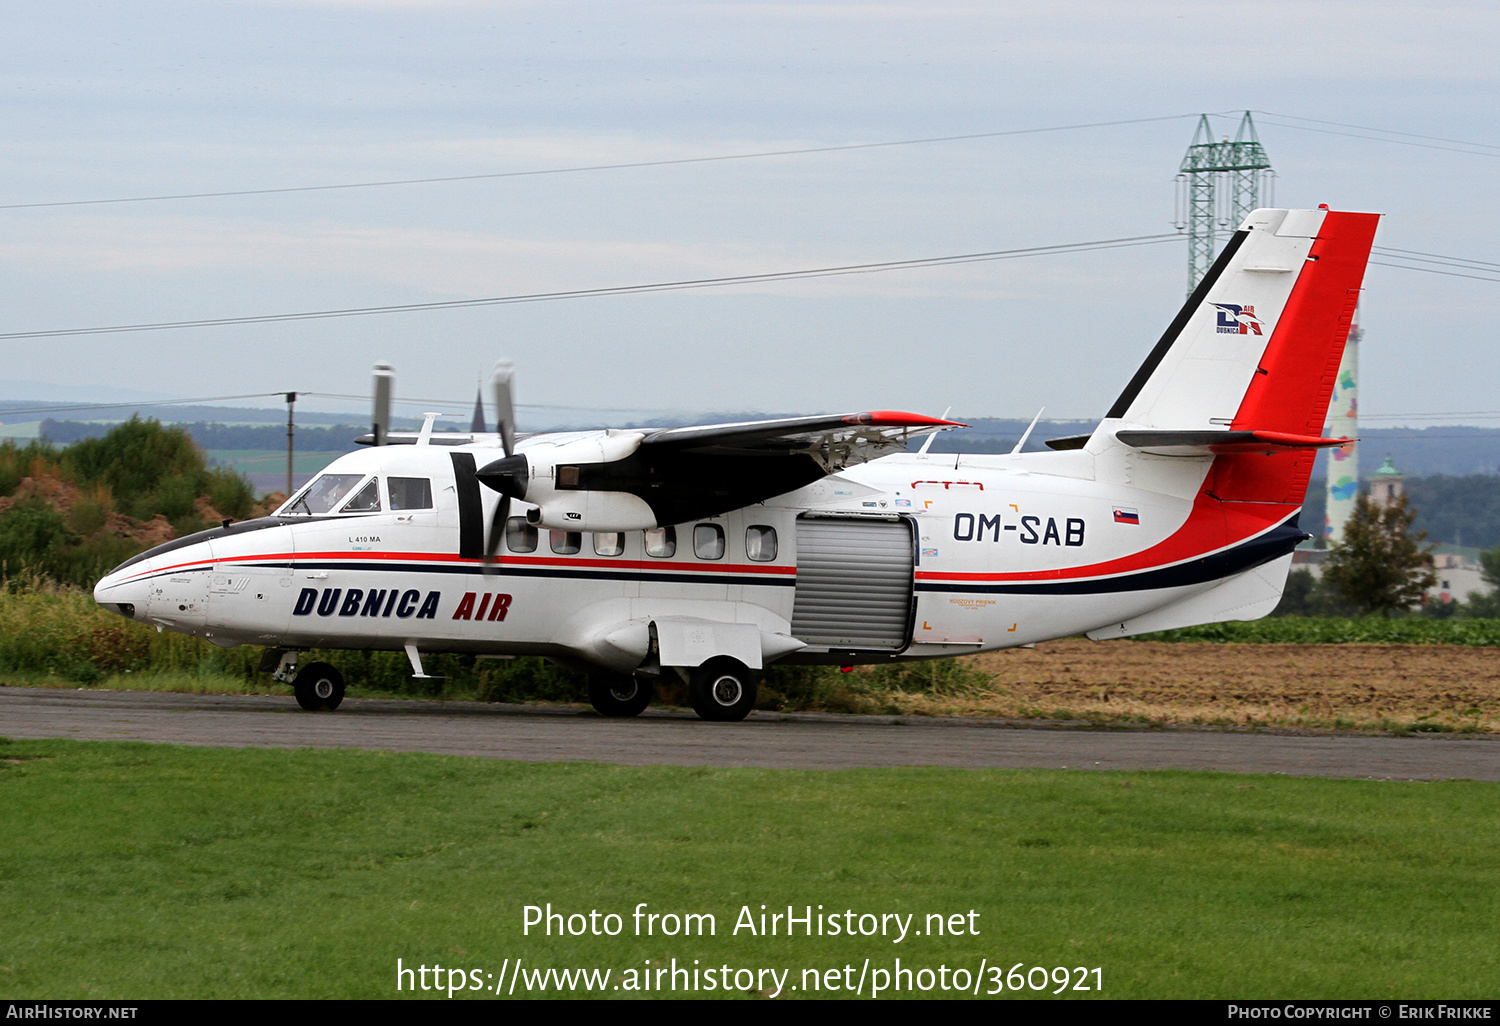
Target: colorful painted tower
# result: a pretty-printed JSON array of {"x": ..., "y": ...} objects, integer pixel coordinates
[{"x": 1343, "y": 422}]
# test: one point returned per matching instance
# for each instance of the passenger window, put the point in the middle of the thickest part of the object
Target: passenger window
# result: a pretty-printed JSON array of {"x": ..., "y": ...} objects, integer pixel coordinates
[
  {"x": 708, "y": 541},
  {"x": 566, "y": 543},
  {"x": 519, "y": 535},
  {"x": 760, "y": 543},
  {"x": 367, "y": 501},
  {"x": 609, "y": 544},
  {"x": 410, "y": 492},
  {"x": 661, "y": 542}
]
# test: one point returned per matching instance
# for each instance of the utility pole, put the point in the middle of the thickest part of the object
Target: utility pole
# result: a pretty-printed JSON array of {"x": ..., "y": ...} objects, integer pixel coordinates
[
  {"x": 1219, "y": 183},
  {"x": 291, "y": 401}
]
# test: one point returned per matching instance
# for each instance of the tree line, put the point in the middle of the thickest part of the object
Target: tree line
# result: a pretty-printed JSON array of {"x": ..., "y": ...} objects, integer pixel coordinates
[{"x": 339, "y": 438}]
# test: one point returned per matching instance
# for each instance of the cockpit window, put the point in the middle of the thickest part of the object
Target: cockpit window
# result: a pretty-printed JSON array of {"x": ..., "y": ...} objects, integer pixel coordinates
[
  {"x": 367, "y": 501},
  {"x": 323, "y": 495},
  {"x": 410, "y": 492}
]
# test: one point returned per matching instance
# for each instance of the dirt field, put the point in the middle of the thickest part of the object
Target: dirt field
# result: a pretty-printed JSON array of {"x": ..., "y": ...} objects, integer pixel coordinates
[{"x": 1379, "y": 687}]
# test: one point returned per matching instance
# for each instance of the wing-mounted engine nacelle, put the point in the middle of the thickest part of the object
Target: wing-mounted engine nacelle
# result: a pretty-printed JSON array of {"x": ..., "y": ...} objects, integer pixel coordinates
[{"x": 550, "y": 477}]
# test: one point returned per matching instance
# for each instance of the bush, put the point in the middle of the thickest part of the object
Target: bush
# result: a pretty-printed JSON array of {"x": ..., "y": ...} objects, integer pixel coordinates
[
  {"x": 32, "y": 535},
  {"x": 18, "y": 461},
  {"x": 91, "y": 511},
  {"x": 229, "y": 493},
  {"x": 139, "y": 468},
  {"x": 150, "y": 469}
]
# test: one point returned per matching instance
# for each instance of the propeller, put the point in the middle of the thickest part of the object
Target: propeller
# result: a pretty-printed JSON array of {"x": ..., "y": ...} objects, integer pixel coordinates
[
  {"x": 381, "y": 418},
  {"x": 503, "y": 385},
  {"x": 509, "y": 475}
]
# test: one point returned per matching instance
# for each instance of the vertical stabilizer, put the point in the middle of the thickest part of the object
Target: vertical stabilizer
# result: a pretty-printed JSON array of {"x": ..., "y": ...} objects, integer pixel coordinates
[{"x": 1255, "y": 349}]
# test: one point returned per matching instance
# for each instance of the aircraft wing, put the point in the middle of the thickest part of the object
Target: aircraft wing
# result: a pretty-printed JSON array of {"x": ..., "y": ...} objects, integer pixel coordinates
[
  {"x": 833, "y": 441},
  {"x": 623, "y": 480}
]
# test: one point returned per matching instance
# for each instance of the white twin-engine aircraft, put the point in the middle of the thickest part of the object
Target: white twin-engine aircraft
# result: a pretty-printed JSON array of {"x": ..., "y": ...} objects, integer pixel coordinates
[{"x": 710, "y": 552}]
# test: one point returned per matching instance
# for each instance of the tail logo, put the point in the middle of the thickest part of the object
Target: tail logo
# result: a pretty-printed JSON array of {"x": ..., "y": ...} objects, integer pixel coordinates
[{"x": 1238, "y": 320}]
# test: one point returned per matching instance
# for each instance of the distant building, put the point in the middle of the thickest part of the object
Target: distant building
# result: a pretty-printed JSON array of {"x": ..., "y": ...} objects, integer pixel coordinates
[
  {"x": 1387, "y": 484},
  {"x": 1457, "y": 566}
]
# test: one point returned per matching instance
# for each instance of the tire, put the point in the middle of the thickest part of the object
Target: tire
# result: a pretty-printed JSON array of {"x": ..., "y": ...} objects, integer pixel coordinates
[
  {"x": 722, "y": 689},
  {"x": 319, "y": 687},
  {"x": 619, "y": 694}
]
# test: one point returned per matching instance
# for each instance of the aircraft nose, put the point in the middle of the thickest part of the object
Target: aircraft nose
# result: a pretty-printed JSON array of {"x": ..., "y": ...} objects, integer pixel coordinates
[{"x": 119, "y": 593}]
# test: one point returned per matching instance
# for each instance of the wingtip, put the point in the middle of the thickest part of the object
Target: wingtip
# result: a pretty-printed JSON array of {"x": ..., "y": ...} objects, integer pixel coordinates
[{"x": 900, "y": 418}]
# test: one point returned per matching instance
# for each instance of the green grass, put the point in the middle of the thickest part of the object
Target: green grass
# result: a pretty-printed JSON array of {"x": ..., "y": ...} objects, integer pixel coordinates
[{"x": 146, "y": 871}]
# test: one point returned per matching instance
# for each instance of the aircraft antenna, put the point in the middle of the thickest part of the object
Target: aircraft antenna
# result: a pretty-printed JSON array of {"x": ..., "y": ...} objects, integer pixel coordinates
[
  {"x": 928, "y": 444},
  {"x": 1027, "y": 434},
  {"x": 1218, "y": 184}
]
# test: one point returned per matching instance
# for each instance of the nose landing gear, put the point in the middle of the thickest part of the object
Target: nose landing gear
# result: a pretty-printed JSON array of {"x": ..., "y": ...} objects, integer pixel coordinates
[{"x": 319, "y": 687}]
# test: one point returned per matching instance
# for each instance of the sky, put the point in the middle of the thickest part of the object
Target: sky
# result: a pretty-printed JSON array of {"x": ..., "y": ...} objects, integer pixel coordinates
[{"x": 148, "y": 98}]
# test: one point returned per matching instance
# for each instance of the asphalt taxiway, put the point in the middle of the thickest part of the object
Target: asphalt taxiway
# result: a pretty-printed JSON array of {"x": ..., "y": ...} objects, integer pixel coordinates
[{"x": 777, "y": 740}]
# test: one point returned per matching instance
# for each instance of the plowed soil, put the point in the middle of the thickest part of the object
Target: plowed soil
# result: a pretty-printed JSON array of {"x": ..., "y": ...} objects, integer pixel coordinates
[{"x": 1379, "y": 687}]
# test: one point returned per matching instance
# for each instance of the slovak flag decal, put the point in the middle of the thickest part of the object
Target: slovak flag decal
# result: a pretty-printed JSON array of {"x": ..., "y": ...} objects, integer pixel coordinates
[{"x": 1126, "y": 515}]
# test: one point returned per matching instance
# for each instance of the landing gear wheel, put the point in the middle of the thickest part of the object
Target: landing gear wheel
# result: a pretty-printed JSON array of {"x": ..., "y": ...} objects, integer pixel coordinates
[
  {"x": 619, "y": 694},
  {"x": 722, "y": 689},
  {"x": 319, "y": 687}
]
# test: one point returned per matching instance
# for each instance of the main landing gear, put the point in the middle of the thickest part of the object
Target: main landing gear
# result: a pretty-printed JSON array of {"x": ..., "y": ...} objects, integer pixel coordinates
[
  {"x": 722, "y": 689},
  {"x": 619, "y": 694}
]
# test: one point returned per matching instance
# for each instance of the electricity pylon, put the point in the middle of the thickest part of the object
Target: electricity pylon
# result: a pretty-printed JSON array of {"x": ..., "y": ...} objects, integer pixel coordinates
[{"x": 1218, "y": 184}]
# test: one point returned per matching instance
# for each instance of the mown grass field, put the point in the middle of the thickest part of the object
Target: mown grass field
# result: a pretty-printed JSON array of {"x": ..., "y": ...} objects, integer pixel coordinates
[{"x": 141, "y": 871}]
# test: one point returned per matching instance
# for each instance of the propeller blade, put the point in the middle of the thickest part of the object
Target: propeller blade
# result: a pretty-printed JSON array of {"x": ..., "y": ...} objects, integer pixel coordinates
[
  {"x": 497, "y": 531},
  {"x": 381, "y": 418},
  {"x": 503, "y": 384},
  {"x": 509, "y": 476}
]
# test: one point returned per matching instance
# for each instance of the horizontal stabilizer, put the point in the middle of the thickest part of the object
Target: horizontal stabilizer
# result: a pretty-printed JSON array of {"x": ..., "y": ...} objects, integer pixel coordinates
[
  {"x": 1204, "y": 443},
  {"x": 1070, "y": 442}
]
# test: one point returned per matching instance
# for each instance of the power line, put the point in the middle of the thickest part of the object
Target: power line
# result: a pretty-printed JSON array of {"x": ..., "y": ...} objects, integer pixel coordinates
[
  {"x": 616, "y": 290},
  {"x": 1475, "y": 149},
  {"x": 754, "y": 155},
  {"x": 1386, "y": 131},
  {"x": 1419, "y": 256},
  {"x": 1425, "y": 270}
]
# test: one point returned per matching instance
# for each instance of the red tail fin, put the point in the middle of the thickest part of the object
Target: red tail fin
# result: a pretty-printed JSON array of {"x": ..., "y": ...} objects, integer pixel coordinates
[{"x": 1292, "y": 386}]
